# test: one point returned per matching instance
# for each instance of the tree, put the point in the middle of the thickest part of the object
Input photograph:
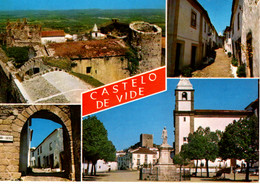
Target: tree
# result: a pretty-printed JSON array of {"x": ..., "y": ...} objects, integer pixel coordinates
[
  {"x": 95, "y": 142},
  {"x": 202, "y": 144},
  {"x": 180, "y": 160},
  {"x": 194, "y": 149},
  {"x": 241, "y": 141},
  {"x": 211, "y": 146}
]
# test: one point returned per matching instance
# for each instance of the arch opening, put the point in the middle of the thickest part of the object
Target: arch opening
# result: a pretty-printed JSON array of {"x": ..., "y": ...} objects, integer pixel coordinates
[{"x": 50, "y": 153}]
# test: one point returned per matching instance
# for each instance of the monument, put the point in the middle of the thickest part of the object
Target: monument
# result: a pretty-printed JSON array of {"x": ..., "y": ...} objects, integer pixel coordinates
[{"x": 166, "y": 169}]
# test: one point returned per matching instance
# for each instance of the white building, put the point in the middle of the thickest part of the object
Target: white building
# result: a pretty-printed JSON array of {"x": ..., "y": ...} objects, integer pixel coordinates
[
  {"x": 101, "y": 166},
  {"x": 190, "y": 35},
  {"x": 96, "y": 34},
  {"x": 55, "y": 36},
  {"x": 49, "y": 153},
  {"x": 134, "y": 159},
  {"x": 245, "y": 20},
  {"x": 187, "y": 119},
  {"x": 228, "y": 40}
]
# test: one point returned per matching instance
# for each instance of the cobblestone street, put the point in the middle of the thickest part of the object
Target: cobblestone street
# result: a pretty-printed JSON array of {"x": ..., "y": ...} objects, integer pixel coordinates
[
  {"x": 43, "y": 175},
  {"x": 220, "y": 68}
]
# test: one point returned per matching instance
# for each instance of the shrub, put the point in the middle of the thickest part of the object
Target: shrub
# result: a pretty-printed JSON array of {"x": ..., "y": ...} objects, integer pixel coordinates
[
  {"x": 234, "y": 62},
  {"x": 187, "y": 72},
  {"x": 241, "y": 71},
  {"x": 20, "y": 54},
  {"x": 229, "y": 54}
]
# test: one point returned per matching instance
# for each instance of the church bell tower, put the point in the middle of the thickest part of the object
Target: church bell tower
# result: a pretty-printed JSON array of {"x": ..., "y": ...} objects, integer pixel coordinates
[{"x": 183, "y": 113}]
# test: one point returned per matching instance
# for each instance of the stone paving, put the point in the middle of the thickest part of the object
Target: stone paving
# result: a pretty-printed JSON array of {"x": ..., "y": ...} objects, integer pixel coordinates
[
  {"x": 118, "y": 176},
  {"x": 55, "y": 87},
  {"x": 44, "y": 175},
  {"x": 220, "y": 68}
]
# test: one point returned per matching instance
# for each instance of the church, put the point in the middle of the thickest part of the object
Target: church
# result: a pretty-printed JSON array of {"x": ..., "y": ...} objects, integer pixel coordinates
[{"x": 187, "y": 119}]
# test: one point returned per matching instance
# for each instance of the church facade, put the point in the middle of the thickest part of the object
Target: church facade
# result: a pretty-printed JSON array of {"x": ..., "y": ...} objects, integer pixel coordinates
[{"x": 188, "y": 120}]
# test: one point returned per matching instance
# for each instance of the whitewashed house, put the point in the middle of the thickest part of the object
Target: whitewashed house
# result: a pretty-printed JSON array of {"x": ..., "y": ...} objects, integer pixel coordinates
[
  {"x": 134, "y": 159},
  {"x": 49, "y": 153},
  {"x": 190, "y": 35},
  {"x": 101, "y": 166},
  {"x": 228, "y": 40},
  {"x": 54, "y": 36}
]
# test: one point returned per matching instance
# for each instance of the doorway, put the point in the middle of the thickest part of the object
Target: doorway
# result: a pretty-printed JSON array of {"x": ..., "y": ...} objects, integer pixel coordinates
[
  {"x": 193, "y": 55},
  {"x": 249, "y": 50}
]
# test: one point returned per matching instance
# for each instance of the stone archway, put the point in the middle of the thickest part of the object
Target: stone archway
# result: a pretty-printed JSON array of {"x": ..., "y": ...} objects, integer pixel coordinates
[{"x": 12, "y": 120}]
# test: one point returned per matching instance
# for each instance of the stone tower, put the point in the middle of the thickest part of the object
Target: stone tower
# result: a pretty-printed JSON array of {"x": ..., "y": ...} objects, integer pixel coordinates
[
  {"x": 146, "y": 140},
  {"x": 146, "y": 39},
  {"x": 183, "y": 113}
]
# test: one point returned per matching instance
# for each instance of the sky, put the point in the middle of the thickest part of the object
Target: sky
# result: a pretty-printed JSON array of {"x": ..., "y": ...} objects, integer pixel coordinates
[
  {"x": 125, "y": 123},
  {"x": 219, "y": 12},
  {"x": 41, "y": 129},
  {"x": 80, "y": 4}
]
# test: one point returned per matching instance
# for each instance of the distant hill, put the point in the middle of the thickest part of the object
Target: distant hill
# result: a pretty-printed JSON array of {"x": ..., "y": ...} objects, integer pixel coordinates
[{"x": 80, "y": 21}]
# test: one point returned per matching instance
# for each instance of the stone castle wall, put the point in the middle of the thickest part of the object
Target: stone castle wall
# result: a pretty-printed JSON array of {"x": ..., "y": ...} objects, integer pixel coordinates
[
  {"x": 146, "y": 40},
  {"x": 104, "y": 69},
  {"x": 21, "y": 34}
]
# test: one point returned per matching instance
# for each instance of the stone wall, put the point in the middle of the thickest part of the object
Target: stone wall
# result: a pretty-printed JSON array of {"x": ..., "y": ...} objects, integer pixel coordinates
[
  {"x": 146, "y": 40},
  {"x": 12, "y": 120},
  {"x": 21, "y": 34},
  {"x": 104, "y": 69},
  {"x": 250, "y": 25}
]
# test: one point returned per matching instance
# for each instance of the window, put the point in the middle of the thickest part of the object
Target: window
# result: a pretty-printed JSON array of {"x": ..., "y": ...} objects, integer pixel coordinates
[
  {"x": 238, "y": 20},
  {"x": 185, "y": 139},
  {"x": 41, "y": 149},
  {"x": 146, "y": 159},
  {"x": 193, "y": 19},
  {"x": 138, "y": 156},
  {"x": 50, "y": 146},
  {"x": 184, "y": 96},
  {"x": 88, "y": 69},
  {"x": 184, "y": 119},
  {"x": 38, "y": 152},
  {"x": 138, "y": 161}
]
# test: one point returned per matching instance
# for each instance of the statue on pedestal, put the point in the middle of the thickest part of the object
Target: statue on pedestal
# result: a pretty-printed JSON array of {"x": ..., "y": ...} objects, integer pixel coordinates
[{"x": 164, "y": 135}]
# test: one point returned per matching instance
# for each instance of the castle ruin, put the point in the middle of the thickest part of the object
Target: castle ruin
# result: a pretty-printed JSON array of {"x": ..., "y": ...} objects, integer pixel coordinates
[
  {"x": 146, "y": 40},
  {"x": 20, "y": 34}
]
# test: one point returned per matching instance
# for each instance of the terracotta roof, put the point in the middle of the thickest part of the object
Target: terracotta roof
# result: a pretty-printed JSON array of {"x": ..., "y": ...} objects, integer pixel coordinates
[
  {"x": 144, "y": 151},
  {"x": 53, "y": 33},
  {"x": 90, "y": 48}
]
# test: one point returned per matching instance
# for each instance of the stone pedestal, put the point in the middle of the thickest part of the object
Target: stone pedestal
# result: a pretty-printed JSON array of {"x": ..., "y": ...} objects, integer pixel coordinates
[{"x": 166, "y": 169}]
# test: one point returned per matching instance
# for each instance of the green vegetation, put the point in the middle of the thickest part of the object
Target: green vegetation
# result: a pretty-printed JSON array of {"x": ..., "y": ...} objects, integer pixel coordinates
[
  {"x": 20, "y": 54},
  {"x": 95, "y": 143},
  {"x": 234, "y": 61},
  {"x": 133, "y": 61},
  {"x": 187, "y": 71},
  {"x": 62, "y": 63},
  {"x": 241, "y": 141},
  {"x": 88, "y": 79},
  {"x": 202, "y": 144},
  {"x": 81, "y": 21},
  {"x": 241, "y": 71}
]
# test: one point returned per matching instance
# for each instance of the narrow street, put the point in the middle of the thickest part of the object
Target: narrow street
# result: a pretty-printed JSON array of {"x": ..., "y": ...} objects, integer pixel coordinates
[{"x": 220, "y": 68}]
